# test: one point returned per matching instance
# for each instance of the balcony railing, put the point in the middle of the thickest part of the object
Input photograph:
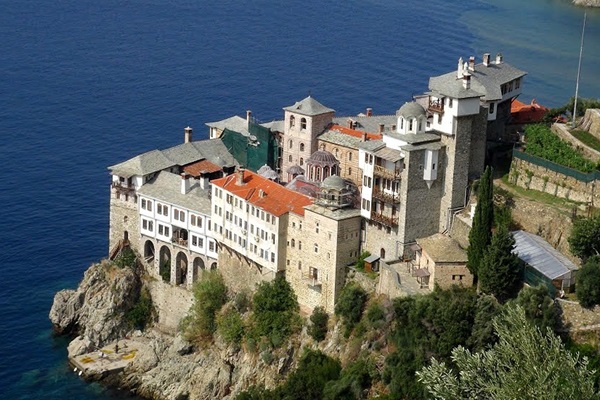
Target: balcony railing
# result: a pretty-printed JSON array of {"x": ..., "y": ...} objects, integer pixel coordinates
[
  {"x": 312, "y": 280},
  {"x": 386, "y": 173},
  {"x": 384, "y": 219},
  {"x": 436, "y": 106},
  {"x": 385, "y": 197}
]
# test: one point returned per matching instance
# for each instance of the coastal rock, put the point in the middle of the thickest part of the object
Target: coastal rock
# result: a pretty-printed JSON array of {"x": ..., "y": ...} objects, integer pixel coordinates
[
  {"x": 97, "y": 308},
  {"x": 587, "y": 3},
  {"x": 79, "y": 345}
]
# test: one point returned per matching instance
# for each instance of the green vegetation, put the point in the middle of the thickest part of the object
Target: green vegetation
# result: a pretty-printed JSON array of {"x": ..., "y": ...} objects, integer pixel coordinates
[
  {"x": 126, "y": 258},
  {"x": 142, "y": 313},
  {"x": 585, "y": 237},
  {"x": 525, "y": 363},
  {"x": 543, "y": 143},
  {"x": 353, "y": 381},
  {"x": 480, "y": 235},
  {"x": 318, "y": 327},
  {"x": 539, "y": 307},
  {"x": 230, "y": 326},
  {"x": 582, "y": 105},
  {"x": 587, "y": 139},
  {"x": 350, "y": 306},
  {"x": 501, "y": 271},
  {"x": 275, "y": 311},
  {"x": 588, "y": 282},
  {"x": 165, "y": 271},
  {"x": 210, "y": 294}
]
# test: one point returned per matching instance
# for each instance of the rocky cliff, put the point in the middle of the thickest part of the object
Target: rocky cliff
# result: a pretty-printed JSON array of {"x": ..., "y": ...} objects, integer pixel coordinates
[{"x": 587, "y": 3}]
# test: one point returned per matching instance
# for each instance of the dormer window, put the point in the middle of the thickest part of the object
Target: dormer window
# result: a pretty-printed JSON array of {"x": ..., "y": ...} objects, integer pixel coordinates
[
  {"x": 410, "y": 125},
  {"x": 491, "y": 108},
  {"x": 303, "y": 123},
  {"x": 401, "y": 123}
]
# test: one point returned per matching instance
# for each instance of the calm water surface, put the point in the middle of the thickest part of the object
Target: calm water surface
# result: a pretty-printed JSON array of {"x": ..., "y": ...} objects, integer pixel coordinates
[{"x": 88, "y": 84}]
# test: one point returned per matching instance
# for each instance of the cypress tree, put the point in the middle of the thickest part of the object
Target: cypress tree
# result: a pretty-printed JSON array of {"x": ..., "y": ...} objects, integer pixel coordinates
[{"x": 480, "y": 235}]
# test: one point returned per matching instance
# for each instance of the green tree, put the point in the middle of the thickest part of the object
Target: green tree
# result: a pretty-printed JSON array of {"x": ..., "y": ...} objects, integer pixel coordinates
[
  {"x": 210, "y": 293},
  {"x": 231, "y": 326},
  {"x": 525, "y": 363},
  {"x": 480, "y": 235},
  {"x": 350, "y": 305},
  {"x": 353, "y": 381},
  {"x": 501, "y": 271},
  {"x": 482, "y": 333},
  {"x": 588, "y": 282},
  {"x": 585, "y": 237},
  {"x": 539, "y": 307},
  {"x": 318, "y": 327},
  {"x": 275, "y": 309}
]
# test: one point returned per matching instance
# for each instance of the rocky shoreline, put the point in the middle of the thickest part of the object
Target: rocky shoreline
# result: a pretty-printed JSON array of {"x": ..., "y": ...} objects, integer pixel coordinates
[{"x": 587, "y": 3}]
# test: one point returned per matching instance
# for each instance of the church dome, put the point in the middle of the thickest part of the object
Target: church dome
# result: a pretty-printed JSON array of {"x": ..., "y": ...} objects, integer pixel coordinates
[
  {"x": 411, "y": 109},
  {"x": 322, "y": 158},
  {"x": 334, "y": 182}
]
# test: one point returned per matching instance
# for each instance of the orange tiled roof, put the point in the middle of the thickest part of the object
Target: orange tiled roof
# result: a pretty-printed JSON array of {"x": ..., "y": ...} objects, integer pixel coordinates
[
  {"x": 523, "y": 113},
  {"x": 355, "y": 133},
  {"x": 201, "y": 167},
  {"x": 274, "y": 199}
]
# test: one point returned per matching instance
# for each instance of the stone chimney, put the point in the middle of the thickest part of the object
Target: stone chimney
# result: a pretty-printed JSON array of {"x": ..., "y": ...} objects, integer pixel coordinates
[
  {"x": 472, "y": 63},
  {"x": 204, "y": 182},
  {"x": 369, "y": 112},
  {"x": 185, "y": 183},
  {"x": 248, "y": 116},
  {"x": 499, "y": 58},
  {"x": 350, "y": 123},
  {"x": 364, "y": 136},
  {"x": 239, "y": 177},
  {"x": 459, "y": 71},
  {"x": 261, "y": 193},
  {"x": 187, "y": 135},
  {"x": 466, "y": 80},
  {"x": 486, "y": 59},
  {"x": 381, "y": 126}
]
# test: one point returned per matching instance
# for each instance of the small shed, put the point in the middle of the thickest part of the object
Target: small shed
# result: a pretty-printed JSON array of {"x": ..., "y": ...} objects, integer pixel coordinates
[
  {"x": 372, "y": 263},
  {"x": 543, "y": 263},
  {"x": 441, "y": 261}
]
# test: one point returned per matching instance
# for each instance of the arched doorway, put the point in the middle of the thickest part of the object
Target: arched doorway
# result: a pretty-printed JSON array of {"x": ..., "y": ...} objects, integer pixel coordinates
[
  {"x": 181, "y": 268},
  {"x": 382, "y": 253},
  {"x": 149, "y": 251},
  {"x": 125, "y": 236},
  {"x": 164, "y": 265},
  {"x": 198, "y": 268}
]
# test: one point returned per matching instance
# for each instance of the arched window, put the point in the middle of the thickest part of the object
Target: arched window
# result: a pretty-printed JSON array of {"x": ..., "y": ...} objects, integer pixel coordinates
[
  {"x": 336, "y": 152},
  {"x": 293, "y": 243},
  {"x": 292, "y": 121},
  {"x": 401, "y": 123},
  {"x": 349, "y": 171},
  {"x": 299, "y": 245},
  {"x": 301, "y": 161},
  {"x": 410, "y": 125},
  {"x": 301, "y": 146},
  {"x": 303, "y": 123},
  {"x": 291, "y": 143},
  {"x": 349, "y": 156},
  {"x": 382, "y": 253},
  {"x": 316, "y": 248}
]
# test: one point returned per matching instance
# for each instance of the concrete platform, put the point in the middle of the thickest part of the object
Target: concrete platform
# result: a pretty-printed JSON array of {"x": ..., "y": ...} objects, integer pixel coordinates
[{"x": 106, "y": 360}]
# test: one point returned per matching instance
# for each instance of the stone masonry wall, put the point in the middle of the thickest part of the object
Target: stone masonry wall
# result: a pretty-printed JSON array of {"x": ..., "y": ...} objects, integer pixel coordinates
[
  {"x": 531, "y": 176},
  {"x": 348, "y": 167},
  {"x": 240, "y": 273},
  {"x": 124, "y": 217},
  {"x": 562, "y": 132}
]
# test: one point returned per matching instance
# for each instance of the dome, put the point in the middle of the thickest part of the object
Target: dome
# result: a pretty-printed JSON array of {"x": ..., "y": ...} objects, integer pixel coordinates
[
  {"x": 333, "y": 182},
  {"x": 322, "y": 158},
  {"x": 295, "y": 170},
  {"x": 411, "y": 109}
]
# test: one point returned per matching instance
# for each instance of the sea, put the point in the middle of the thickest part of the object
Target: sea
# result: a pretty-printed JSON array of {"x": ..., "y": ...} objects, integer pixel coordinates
[{"x": 87, "y": 84}]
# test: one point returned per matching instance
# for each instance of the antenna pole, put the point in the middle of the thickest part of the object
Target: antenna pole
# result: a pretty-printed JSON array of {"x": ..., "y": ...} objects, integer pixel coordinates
[{"x": 579, "y": 71}]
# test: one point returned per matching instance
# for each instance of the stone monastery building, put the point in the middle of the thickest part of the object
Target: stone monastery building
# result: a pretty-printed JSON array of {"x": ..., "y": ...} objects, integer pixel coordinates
[{"x": 329, "y": 189}]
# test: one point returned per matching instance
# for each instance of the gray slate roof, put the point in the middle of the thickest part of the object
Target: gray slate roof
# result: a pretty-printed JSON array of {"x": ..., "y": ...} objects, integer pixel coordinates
[
  {"x": 372, "y": 145},
  {"x": 166, "y": 187},
  {"x": 485, "y": 81},
  {"x": 368, "y": 124},
  {"x": 157, "y": 160},
  {"x": 309, "y": 107},
  {"x": 443, "y": 249},
  {"x": 412, "y": 138},
  {"x": 540, "y": 255},
  {"x": 235, "y": 123},
  {"x": 411, "y": 109},
  {"x": 389, "y": 154},
  {"x": 276, "y": 126},
  {"x": 423, "y": 146}
]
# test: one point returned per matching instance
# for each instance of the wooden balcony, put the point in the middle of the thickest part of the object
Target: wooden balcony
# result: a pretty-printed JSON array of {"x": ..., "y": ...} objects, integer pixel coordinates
[
  {"x": 312, "y": 280},
  {"x": 383, "y": 172},
  {"x": 385, "y": 197},
  {"x": 436, "y": 106},
  {"x": 384, "y": 219}
]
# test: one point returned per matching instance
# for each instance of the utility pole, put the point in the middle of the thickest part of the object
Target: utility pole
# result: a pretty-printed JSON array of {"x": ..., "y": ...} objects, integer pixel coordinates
[{"x": 579, "y": 71}]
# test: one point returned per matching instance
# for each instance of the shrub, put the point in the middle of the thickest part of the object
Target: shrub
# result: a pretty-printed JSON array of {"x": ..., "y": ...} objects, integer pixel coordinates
[
  {"x": 165, "y": 271},
  {"x": 126, "y": 258},
  {"x": 241, "y": 301},
  {"x": 231, "y": 326},
  {"x": 584, "y": 241},
  {"x": 210, "y": 293},
  {"x": 350, "y": 305},
  {"x": 353, "y": 381},
  {"x": 360, "y": 263},
  {"x": 140, "y": 315},
  {"x": 318, "y": 327},
  {"x": 588, "y": 282}
]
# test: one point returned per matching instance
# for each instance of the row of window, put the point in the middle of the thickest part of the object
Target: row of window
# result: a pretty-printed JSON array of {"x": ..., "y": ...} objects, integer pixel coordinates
[
  {"x": 178, "y": 215},
  {"x": 366, "y": 204},
  {"x": 293, "y": 122},
  {"x": 165, "y": 231}
]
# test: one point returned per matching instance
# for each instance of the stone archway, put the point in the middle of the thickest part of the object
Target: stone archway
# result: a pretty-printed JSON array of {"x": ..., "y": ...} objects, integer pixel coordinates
[
  {"x": 149, "y": 251},
  {"x": 164, "y": 265},
  {"x": 181, "y": 269},
  {"x": 213, "y": 266},
  {"x": 198, "y": 268}
]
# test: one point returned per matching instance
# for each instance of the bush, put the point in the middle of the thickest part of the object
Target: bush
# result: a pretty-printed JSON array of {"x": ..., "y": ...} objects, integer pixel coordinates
[
  {"x": 241, "y": 301},
  {"x": 210, "y": 293},
  {"x": 140, "y": 315},
  {"x": 231, "y": 326},
  {"x": 126, "y": 258},
  {"x": 350, "y": 305},
  {"x": 584, "y": 241},
  {"x": 354, "y": 379},
  {"x": 588, "y": 282},
  {"x": 539, "y": 307},
  {"x": 360, "y": 263},
  {"x": 165, "y": 271},
  {"x": 318, "y": 327}
]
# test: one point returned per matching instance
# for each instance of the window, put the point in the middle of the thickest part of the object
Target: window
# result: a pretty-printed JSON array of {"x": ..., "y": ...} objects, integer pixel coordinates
[
  {"x": 450, "y": 102},
  {"x": 147, "y": 225},
  {"x": 518, "y": 83},
  {"x": 229, "y": 199},
  {"x": 317, "y": 228},
  {"x": 457, "y": 277},
  {"x": 211, "y": 246},
  {"x": 273, "y": 238},
  {"x": 292, "y": 121},
  {"x": 299, "y": 244},
  {"x": 163, "y": 230},
  {"x": 290, "y": 144},
  {"x": 303, "y": 123},
  {"x": 300, "y": 265},
  {"x": 316, "y": 248},
  {"x": 147, "y": 205},
  {"x": 313, "y": 273},
  {"x": 272, "y": 257},
  {"x": 196, "y": 220},
  {"x": 366, "y": 158},
  {"x": 179, "y": 215},
  {"x": 401, "y": 123},
  {"x": 300, "y": 225},
  {"x": 290, "y": 158},
  {"x": 410, "y": 125},
  {"x": 293, "y": 243},
  {"x": 301, "y": 161},
  {"x": 197, "y": 241},
  {"x": 301, "y": 146},
  {"x": 491, "y": 108},
  {"x": 349, "y": 156},
  {"x": 349, "y": 171}
]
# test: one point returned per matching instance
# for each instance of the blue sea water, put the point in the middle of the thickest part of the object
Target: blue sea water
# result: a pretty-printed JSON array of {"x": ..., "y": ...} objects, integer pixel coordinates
[{"x": 84, "y": 85}]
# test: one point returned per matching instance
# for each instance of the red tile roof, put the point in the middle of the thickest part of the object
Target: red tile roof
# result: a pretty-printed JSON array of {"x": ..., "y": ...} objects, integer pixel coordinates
[
  {"x": 201, "y": 167},
  {"x": 355, "y": 133},
  {"x": 264, "y": 193},
  {"x": 526, "y": 113}
]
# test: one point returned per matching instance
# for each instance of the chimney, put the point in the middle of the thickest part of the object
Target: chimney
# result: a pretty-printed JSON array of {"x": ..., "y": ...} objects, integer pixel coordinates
[
  {"x": 459, "y": 71},
  {"x": 187, "y": 135},
  {"x": 472, "y": 63},
  {"x": 467, "y": 80},
  {"x": 204, "y": 182},
  {"x": 248, "y": 116},
  {"x": 239, "y": 177},
  {"x": 185, "y": 183},
  {"x": 261, "y": 193},
  {"x": 381, "y": 126},
  {"x": 393, "y": 127},
  {"x": 350, "y": 123},
  {"x": 499, "y": 58},
  {"x": 486, "y": 59},
  {"x": 369, "y": 112},
  {"x": 364, "y": 136}
]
